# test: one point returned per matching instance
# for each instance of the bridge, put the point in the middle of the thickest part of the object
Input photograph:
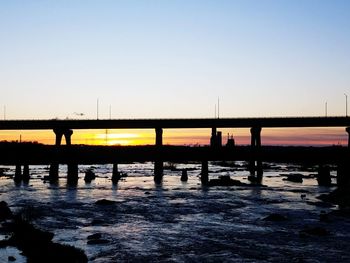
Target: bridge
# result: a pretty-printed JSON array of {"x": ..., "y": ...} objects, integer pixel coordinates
[
  {"x": 267, "y": 122},
  {"x": 65, "y": 128}
]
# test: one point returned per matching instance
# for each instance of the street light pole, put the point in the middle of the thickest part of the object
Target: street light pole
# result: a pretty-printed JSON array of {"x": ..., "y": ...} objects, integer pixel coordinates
[
  {"x": 346, "y": 105},
  {"x": 97, "y": 104}
]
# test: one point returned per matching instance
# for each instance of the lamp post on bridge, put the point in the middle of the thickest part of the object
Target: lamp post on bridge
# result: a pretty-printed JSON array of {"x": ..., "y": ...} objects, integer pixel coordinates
[{"x": 346, "y": 105}]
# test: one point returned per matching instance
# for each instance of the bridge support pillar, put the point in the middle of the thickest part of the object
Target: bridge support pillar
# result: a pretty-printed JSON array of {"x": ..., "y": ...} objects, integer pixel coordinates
[
  {"x": 59, "y": 134},
  {"x": 255, "y": 165},
  {"x": 159, "y": 137},
  {"x": 158, "y": 164},
  {"x": 205, "y": 173},
  {"x": 18, "y": 173},
  {"x": 158, "y": 171},
  {"x": 72, "y": 173},
  {"x": 115, "y": 174},
  {"x": 53, "y": 173},
  {"x": 25, "y": 175},
  {"x": 348, "y": 131},
  {"x": 68, "y": 136},
  {"x": 21, "y": 176}
]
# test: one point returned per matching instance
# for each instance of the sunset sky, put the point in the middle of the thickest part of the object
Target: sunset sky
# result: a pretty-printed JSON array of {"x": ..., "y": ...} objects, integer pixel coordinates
[{"x": 166, "y": 59}]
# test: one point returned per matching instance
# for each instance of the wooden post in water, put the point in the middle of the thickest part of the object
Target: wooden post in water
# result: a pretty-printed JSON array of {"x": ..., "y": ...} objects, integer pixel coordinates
[
  {"x": 205, "y": 173},
  {"x": 255, "y": 164},
  {"x": 53, "y": 173},
  {"x": 158, "y": 171},
  {"x": 115, "y": 174},
  {"x": 72, "y": 173},
  {"x": 26, "y": 175},
  {"x": 159, "y": 137},
  {"x": 158, "y": 163},
  {"x": 18, "y": 173}
]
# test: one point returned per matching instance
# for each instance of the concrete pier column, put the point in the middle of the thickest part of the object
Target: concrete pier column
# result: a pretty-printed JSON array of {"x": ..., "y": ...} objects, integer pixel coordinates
[
  {"x": 115, "y": 174},
  {"x": 53, "y": 173},
  {"x": 252, "y": 137},
  {"x": 205, "y": 173},
  {"x": 59, "y": 134},
  {"x": 159, "y": 136},
  {"x": 26, "y": 175},
  {"x": 255, "y": 136},
  {"x": 158, "y": 164},
  {"x": 68, "y": 135},
  {"x": 18, "y": 173},
  {"x": 258, "y": 137},
  {"x": 72, "y": 173},
  {"x": 158, "y": 171},
  {"x": 255, "y": 164},
  {"x": 348, "y": 131},
  {"x": 343, "y": 180},
  {"x": 259, "y": 170}
]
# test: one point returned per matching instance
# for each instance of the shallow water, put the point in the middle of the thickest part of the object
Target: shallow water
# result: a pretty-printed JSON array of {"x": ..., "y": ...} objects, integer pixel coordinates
[{"x": 182, "y": 222}]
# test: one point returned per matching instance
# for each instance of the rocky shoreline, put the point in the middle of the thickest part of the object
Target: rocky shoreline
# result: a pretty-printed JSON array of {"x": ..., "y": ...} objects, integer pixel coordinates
[{"x": 35, "y": 244}]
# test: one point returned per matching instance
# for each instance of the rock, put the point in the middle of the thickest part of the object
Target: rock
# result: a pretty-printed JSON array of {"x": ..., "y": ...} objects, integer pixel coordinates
[
  {"x": 324, "y": 217},
  {"x": 89, "y": 176},
  {"x": 11, "y": 258},
  {"x": 339, "y": 196},
  {"x": 254, "y": 179},
  {"x": 97, "y": 241},
  {"x": 314, "y": 231},
  {"x": 341, "y": 213},
  {"x": 46, "y": 178},
  {"x": 184, "y": 176},
  {"x": 105, "y": 202},
  {"x": 225, "y": 181},
  {"x": 37, "y": 245},
  {"x": 295, "y": 178},
  {"x": 321, "y": 204},
  {"x": 94, "y": 236},
  {"x": 5, "y": 212},
  {"x": 95, "y": 222},
  {"x": 324, "y": 176},
  {"x": 275, "y": 217}
]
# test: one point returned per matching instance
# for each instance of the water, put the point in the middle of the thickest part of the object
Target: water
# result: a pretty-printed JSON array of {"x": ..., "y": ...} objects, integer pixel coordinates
[{"x": 182, "y": 222}]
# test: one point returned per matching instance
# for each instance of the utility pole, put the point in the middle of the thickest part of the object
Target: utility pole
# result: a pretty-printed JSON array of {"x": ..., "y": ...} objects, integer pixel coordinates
[
  {"x": 4, "y": 112},
  {"x": 326, "y": 108},
  {"x": 218, "y": 108},
  {"x": 97, "y": 109},
  {"x": 346, "y": 105}
]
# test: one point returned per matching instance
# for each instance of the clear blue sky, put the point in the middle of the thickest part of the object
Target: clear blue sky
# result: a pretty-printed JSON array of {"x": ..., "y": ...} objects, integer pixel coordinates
[{"x": 174, "y": 58}]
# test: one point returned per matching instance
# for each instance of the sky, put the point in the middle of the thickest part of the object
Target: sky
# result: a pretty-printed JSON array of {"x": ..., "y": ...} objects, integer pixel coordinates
[{"x": 169, "y": 59}]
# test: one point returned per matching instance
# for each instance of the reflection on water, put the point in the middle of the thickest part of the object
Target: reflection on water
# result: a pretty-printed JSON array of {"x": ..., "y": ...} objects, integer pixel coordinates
[{"x": 180, "y": 222}]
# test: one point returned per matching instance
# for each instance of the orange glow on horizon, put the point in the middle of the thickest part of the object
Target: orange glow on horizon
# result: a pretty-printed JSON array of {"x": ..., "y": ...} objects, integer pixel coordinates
[{"x": 269, "y": 136}]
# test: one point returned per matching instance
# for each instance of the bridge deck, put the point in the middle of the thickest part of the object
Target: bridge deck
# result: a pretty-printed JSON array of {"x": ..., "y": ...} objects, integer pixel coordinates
[{"x": 272, "y": 122}]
